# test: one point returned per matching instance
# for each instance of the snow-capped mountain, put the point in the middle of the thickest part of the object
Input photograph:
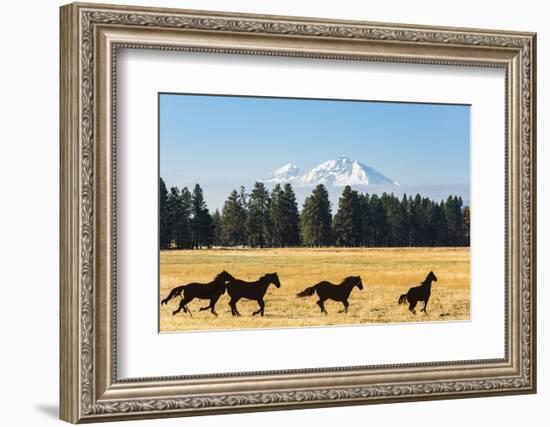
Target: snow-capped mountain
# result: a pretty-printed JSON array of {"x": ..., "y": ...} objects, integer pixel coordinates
[
  {"x": 286, "y": 173},
  {"x": 337, "y": 173}
]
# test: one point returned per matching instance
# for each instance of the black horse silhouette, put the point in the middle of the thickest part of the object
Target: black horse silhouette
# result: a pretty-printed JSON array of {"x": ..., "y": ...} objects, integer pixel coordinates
[
  {"x": 211, "y": 291},
  {"x": 419, "y": 293},
  {"x": 326, "y": 290},
  {"x": 238, "y": 289}
]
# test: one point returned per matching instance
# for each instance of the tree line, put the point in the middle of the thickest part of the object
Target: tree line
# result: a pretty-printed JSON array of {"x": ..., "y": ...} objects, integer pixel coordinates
[{"x": 264, "y": 218}]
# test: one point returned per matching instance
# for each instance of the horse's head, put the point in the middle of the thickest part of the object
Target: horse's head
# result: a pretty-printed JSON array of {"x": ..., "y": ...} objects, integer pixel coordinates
[
  {"x": 273, "y": 278},
  {"x": 224, "y": 277},
  {"x": 431, "y": 277},
  {"x": 353, "y": 281}
]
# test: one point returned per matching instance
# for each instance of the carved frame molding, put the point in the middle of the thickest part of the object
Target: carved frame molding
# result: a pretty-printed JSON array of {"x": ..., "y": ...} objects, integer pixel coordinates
[{"x": 90, "y": 37}]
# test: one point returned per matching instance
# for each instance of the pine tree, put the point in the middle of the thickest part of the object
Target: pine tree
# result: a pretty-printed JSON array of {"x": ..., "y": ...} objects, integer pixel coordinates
[
  {"x": 172, "y": 216},
  {"x": 201, "y": 222},
  {"x": 316, "y": 218},
  {"x": 183, "y": 236},
  {"x": 243, "y": 198},
  {"x": 257, "y": 221},
  {"x": 347, "y": 221},
  {"x": 386, "y": 232},
  {"x": 233, "y": 221},
  {"x": 276, "y": 217},
  {"x": 430, "y": 232},
  {"x": 466, "y": 227},
  {"x": 291, "y": 226},
  {"x": 217, "y": 225},
  {"x": 402, "y": 222},
  {"x": 262, "y": 219},
  {"x": 415, "y": 221},
  {"x": 455, "y": 221},
  {"x": 243, "y": 202},
  {"x": 364, "y": 202},
  {"x": 438, "y": 225},
  {"x": 164, "y": 232},
  {"x": 379, "y": 225},
  {"x": 208, "y": 236}
]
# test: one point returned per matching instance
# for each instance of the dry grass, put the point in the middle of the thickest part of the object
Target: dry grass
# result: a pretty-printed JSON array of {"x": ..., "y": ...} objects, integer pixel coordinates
[{"x": 386, "y": 273}]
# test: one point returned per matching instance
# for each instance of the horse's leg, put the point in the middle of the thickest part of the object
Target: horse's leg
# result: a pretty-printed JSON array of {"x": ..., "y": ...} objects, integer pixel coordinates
[
  {"x": 233, "y": 304},
  {"x": 183, "y": 306},
  {"x": 425, "y": 305},
  {"x": 213, "y": 302},
  {"x": 346, "y": 305},
  {"x": 186, "y": 301},
  {"x": 322, "y": 305},
  {"x": 261, "y": 309},
  {"x": 208, "y": 307},
  {"x": 237, "y": 311},
  {"x": 412, "y": 305}
]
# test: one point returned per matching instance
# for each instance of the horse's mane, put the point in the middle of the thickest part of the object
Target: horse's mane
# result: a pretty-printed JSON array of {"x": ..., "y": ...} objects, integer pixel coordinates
[
  {"x": 223, "y": 273},
  {"x": 349, "y": 280},
  {"x": 431, "y": 276}
]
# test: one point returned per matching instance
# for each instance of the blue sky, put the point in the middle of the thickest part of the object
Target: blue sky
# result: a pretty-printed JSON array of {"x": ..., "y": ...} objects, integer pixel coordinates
[{"x": 221, "y": 139}]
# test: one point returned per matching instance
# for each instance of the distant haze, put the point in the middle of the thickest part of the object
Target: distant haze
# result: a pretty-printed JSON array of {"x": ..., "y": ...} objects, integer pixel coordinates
[{"x": 216, "y": 194}]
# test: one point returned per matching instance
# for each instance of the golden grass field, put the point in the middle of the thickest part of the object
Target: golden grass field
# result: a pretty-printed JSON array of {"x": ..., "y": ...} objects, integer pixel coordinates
[{"x": 386, "y": 273}]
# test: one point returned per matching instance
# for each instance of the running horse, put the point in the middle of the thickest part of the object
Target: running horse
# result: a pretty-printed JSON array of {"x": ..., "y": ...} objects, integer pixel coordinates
[
  {"x": 326, "y": 290},
  {"x": 419, "y": 293},
  {"x": 238, "y": 289},
  {"x": 211, "y": 291}
]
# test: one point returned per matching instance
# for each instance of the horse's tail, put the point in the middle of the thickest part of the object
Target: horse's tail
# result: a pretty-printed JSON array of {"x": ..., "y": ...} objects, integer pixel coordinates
[
  {"x": 402, "y": 299},
  {"x": 173, "y": 293},
  {"x": 307, "y": 292}
]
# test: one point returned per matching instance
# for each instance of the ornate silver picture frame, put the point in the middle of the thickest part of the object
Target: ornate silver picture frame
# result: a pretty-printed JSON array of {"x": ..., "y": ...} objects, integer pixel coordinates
[{"x": 91, "y": 36}]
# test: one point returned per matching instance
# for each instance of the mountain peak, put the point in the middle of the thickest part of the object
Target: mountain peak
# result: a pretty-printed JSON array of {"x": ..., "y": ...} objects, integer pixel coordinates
[
  {"x": 338, "y": 173},
  {"x": 289, "y": 167},
  {"x": 285, "y": 173}
]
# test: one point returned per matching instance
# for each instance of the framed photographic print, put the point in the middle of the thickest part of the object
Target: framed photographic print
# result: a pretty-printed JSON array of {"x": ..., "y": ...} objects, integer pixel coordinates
[
  {"x": 312, "y": 212},
  {"x": 278, "y": 227}
]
